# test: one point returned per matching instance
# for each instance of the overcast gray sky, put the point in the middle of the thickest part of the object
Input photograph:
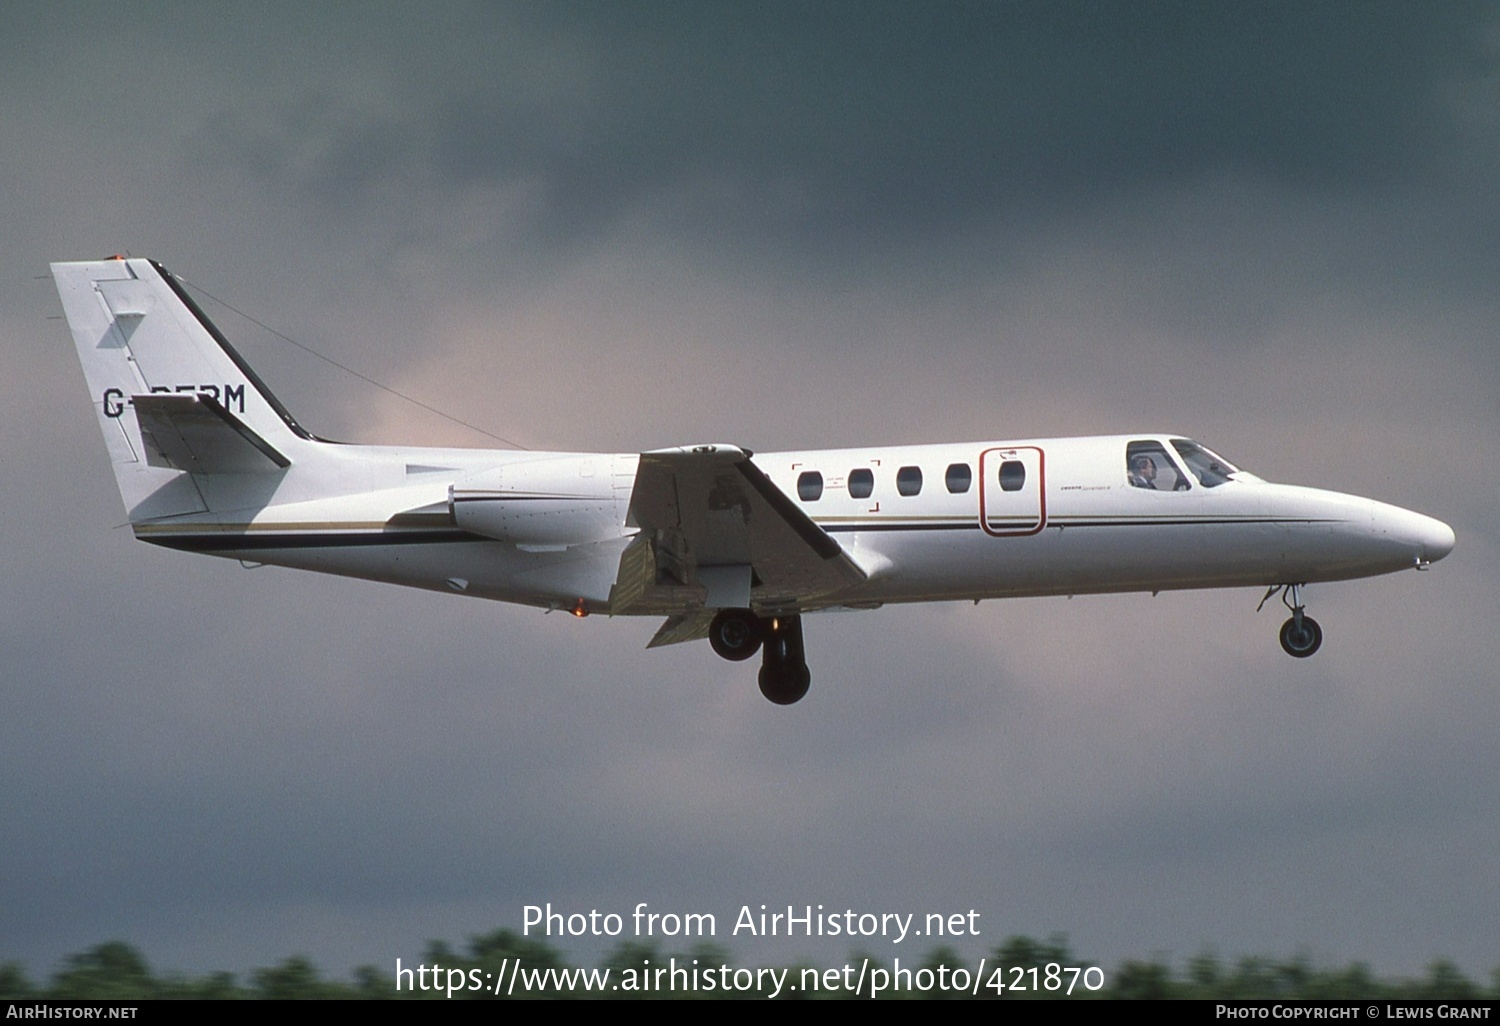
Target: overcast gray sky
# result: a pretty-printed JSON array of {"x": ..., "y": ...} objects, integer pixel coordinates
[{"x": 1269, "y": 226}]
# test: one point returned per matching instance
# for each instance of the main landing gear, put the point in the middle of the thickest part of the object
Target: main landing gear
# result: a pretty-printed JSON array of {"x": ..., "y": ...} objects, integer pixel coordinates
[
  {"x": 1300, "y": 636},
  {"x": 736, "y": 634}
]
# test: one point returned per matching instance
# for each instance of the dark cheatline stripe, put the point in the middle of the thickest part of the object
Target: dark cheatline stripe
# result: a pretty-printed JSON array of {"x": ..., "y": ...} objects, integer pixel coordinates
[
  {"x": 1187, "y": 521},
  {"x": 970, "y": 525},
  {"x": 222, "y": 542},
  {"x": 973, "y": 525},
  {"x": 505, "y": 497}
]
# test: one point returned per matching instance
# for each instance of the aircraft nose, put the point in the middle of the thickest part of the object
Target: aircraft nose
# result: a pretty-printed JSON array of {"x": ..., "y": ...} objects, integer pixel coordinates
[
  {"x": 1427, "y": 539},
  {"x": 1438, "y": 539}
]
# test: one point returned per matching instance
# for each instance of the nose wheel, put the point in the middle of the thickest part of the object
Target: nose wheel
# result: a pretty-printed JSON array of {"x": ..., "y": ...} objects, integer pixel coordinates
[
  {"x": 1301, "y": 639},
  {"x": 1300, "y": 635}
]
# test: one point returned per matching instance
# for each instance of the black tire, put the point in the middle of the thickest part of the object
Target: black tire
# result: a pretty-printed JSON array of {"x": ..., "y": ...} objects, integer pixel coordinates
[
  {"x": 1304, "y": 642},
  {"x": 786, "y": 686},
  {"x": 736, "y": 634}
]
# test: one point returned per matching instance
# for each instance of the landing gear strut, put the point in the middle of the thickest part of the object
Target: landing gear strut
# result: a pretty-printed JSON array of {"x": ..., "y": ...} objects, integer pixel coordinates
[
  {"x": 784, "y": 676},
  {"x": 1300, "y": 636}
]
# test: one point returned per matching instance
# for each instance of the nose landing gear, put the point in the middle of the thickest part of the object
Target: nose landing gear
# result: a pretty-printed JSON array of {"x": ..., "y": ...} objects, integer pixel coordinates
[{"x": 1300, "y": 635}]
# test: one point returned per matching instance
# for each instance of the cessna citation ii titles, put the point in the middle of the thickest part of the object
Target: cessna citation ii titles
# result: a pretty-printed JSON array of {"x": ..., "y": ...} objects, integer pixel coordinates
[{"x": 722, "y": 543}]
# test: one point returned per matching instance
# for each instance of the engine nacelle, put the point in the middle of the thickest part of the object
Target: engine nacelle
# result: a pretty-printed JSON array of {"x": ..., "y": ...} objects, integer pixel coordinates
[{"x": 553, "y": 501}]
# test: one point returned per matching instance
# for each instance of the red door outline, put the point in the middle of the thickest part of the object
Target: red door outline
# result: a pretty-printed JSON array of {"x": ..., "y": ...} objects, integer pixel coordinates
[{"x": 989, "y": 467}]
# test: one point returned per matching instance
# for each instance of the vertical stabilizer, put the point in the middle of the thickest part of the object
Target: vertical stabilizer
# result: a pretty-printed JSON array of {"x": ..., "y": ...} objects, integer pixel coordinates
[{"x": 139, "y": 334}]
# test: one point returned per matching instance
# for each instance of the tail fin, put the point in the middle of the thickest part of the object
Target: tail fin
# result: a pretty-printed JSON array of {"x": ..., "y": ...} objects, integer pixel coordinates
[{"x": 171, "y": 393}]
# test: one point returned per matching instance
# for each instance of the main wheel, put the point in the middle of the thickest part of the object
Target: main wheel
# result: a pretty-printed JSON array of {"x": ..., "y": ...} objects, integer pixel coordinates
[
  {"x": 1303, "y": 641},
  {"x": 786, "y": 684},
  {"x": 735, "y": 634}
]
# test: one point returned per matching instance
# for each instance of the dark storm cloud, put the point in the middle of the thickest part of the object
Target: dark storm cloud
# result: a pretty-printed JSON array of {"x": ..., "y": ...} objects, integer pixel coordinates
[
  {"x": 1269, "y": 225},
  {"x": 836, "y": 123}
]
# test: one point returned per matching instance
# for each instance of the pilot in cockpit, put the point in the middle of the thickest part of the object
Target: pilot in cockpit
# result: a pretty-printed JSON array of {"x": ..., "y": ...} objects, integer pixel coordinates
[{"x": 1142, "y": 471}]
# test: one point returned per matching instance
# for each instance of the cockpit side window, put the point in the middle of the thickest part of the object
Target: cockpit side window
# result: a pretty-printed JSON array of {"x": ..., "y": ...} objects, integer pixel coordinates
[
  {"x": 1209, "y": 469},
  {"x": 1147, "y": 466}
]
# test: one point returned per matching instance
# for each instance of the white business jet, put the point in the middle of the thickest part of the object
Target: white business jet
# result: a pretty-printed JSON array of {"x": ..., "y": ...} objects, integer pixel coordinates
[{"x": 724, "y": 544}]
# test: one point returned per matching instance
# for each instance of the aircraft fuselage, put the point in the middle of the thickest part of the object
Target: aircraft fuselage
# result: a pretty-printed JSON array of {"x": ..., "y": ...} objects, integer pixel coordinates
[{"x": 547, "y": 529}]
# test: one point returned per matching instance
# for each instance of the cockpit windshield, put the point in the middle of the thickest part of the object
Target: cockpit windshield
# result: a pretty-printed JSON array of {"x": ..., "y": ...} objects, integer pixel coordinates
[{"x": 1207, "y": 467}]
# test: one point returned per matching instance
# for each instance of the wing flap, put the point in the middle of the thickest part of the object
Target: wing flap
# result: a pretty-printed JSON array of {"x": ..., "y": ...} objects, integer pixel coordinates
[
  {"x": 195, "y": 433},
  {"x": 683, "y": 627}
]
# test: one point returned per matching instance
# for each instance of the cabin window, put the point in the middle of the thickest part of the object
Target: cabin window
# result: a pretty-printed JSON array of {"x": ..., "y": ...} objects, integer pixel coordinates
[
  {"x": 1012, "y": 476},
  {"x": 810, "y": 486},
  {"x": 909, "y": 480},
  {"x": 861, "y": 483},
  {"x": 958, "y": 477},
  {"x": 1147, "y": 466}
]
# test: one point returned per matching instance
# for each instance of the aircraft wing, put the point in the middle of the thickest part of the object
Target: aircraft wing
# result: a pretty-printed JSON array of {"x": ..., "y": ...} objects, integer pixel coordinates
[
  {"x": 194, "y": 432},
  {"x": 716, "y": 532}
]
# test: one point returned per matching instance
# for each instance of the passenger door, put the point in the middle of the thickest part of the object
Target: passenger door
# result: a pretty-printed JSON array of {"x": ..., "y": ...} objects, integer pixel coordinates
[{"x": 1012, "y": 491}]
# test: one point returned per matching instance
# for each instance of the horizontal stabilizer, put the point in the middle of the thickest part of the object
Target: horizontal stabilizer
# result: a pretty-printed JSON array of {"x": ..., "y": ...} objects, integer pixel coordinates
[{"x": 195, "y": 433}]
